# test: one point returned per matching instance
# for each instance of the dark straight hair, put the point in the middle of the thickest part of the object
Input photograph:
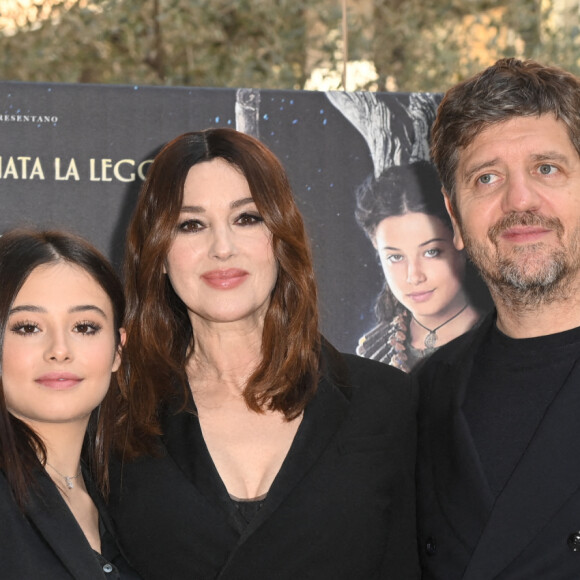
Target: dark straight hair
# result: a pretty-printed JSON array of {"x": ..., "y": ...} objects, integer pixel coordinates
[
  {"x": 21, "y": 251},
  {"x": 401, "y": 189}
]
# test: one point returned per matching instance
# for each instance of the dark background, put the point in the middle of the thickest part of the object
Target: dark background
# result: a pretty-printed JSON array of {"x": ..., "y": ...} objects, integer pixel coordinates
[{"x": 325, "y": 156}]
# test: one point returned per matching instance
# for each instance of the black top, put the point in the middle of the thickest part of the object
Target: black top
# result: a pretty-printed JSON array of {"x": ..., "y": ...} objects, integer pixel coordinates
[
  {"x": 341, "y": 506},
  {"x": 45, "y": 540},
  {"x": 111, "y": 559},
  {"x": 467, "y": 531},
  {"x": 248, "y": 508},
  {"x": 513, "y": 382}
]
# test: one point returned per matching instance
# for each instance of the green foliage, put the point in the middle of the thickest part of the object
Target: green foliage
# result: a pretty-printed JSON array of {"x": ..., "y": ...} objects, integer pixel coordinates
[
  {"x": 423, "y": 45},
  {"x": 429, "y": 45},
  {"x": 173, "y": 42}
]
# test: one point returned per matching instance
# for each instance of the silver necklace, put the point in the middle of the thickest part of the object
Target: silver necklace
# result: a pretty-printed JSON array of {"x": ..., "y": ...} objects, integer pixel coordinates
[
  {"x": 68, "y": 479},
  {"x": 431, "y": 338}
]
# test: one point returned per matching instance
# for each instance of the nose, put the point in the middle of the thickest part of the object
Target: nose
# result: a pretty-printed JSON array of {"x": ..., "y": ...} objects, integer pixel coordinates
[
  {"x": 58, "y": 348},
  {"x": 222, "y": 242},
  {"x": 520, "y": 194},
  {"x": 415, "y": 274}
]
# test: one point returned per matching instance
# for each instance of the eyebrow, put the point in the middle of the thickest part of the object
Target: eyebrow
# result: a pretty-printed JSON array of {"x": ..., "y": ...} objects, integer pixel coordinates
[
  {"x": 201, "y": 209},
  {"x": 468, "y": 174},
  {"x": 420, "y": 245},
  {"x": 433, "y": 240},
  {"x": 74, "y": 309},
  {"x": 550, "y": 156}
]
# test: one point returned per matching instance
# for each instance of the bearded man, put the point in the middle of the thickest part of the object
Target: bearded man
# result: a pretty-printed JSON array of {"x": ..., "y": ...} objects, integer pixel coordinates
[{"x": 498, "y": 468}]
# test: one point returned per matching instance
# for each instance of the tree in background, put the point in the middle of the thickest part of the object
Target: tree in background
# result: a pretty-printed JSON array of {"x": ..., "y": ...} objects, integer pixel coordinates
[
  {"x": 429, "y": 45},
  {"x": 168, "y": 42},
  {"x": 411, "y": 45}
]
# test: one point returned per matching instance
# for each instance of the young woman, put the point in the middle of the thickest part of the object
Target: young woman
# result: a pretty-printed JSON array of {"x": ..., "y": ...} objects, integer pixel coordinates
[
  {"x": 254, "y": 450},
  {"x": 427, "y": 299},
  {"x": 61, "y": 310}
]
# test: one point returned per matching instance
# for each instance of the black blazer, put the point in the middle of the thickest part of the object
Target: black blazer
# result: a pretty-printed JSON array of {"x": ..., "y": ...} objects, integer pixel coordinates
[
  {"x": 45, "y": 543},
  {"x": 532, "y": 531},
  {"x": 341, "y": 507}
]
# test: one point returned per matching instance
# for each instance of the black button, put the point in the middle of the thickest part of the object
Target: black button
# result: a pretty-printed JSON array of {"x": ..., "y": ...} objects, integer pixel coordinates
[
  {"x": 574, "y": 542},
  {"x": 431, "y": 547}
]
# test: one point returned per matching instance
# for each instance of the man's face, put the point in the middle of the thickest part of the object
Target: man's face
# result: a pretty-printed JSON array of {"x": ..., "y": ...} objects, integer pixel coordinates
[{"x": 518, "y": 208}]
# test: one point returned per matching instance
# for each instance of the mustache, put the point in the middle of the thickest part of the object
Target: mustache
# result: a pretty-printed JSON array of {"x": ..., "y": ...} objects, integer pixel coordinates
[{"x": 524, "y": 218}]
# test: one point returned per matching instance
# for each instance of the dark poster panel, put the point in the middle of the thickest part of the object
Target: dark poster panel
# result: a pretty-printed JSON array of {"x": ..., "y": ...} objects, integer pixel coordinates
[{"x": 73, "y": 156}]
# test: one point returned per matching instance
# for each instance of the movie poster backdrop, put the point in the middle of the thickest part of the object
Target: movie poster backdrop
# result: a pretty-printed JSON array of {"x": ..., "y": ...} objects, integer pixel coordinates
[{"x": 75, "y": 156}]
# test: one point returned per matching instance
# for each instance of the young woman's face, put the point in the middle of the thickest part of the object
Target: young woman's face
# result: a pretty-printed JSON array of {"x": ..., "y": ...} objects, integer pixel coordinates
[
  {"x": 59, "y": 346},
  {"x": 422, "y": 267},
  {"x": 221, "y": 262}
]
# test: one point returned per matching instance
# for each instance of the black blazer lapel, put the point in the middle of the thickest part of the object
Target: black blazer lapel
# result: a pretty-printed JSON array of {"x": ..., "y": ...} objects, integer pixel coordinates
[
  {"x": 544, "y": 479},
  {"x": 184, "y": 441},
  {"x": 55, "y": 522},
  {"x": 322, "y": 418},
  {"x": 460, "y": 484},
  {"x": 185, "y": 444}
]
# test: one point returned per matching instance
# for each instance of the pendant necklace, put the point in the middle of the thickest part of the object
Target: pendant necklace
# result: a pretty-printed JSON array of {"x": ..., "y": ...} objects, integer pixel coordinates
[
  {"x": 68, "y": 479},
  {"x": 431, "y": 338}
]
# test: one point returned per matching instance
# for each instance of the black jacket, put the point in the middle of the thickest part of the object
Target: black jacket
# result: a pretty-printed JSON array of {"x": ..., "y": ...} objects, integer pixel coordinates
[
  {"x": 532, "y": 529},
  {"x": 341, "y": 507},
  {"x": 46, "y": 542}
]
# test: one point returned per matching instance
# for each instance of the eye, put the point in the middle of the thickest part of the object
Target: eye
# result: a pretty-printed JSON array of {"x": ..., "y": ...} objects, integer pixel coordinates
[
  {"x": 86, "y": 327},
  {"x": 547, "y": 169},
  {"x": 249, "y": 219},
  {"x": 432, "y": 253},
  {"x": 190, "y": 226},
  {"x": 487, "y": 178},
  {"x": 24, "y": 328},
  {"x": 394, "y": 258}
]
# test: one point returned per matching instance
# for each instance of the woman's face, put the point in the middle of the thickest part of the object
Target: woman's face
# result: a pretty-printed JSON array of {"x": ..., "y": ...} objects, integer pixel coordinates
[
  {"x": 221, "y": 262},
  {"x": 422, "y": 267},
  {"x": 59, "y": 346}
]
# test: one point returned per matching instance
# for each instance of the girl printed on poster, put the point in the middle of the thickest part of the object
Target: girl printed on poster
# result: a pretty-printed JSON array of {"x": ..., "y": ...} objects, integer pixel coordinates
[{"x": 430, "y": 294}]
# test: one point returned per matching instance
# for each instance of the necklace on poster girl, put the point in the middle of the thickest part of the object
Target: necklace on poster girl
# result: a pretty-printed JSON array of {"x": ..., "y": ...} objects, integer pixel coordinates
[{"x": 431, "y": 338}]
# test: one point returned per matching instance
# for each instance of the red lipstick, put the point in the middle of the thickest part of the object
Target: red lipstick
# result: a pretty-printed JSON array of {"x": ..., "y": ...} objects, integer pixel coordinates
[{"x": 225, "y": 279}]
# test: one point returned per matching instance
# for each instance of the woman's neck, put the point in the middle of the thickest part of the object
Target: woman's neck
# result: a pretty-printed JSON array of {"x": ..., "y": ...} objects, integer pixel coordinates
[
  {"x": 446, "y": 327},
  {"x": 64, "y": 442},
  {"x": 223, "y": 358}
]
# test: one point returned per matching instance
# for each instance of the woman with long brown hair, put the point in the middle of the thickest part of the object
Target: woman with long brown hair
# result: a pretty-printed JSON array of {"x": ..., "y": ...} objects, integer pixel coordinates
[{"x": 252, "y": 448}]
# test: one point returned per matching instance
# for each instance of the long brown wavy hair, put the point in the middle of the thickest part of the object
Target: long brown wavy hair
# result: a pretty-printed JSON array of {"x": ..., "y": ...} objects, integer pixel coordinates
[{"x": 159, "y": 334}]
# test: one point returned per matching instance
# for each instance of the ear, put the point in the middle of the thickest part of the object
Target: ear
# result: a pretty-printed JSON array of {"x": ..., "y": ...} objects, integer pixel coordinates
[
  {"x": 117, "y": 359},
  {"x": 457, "y": 237}
]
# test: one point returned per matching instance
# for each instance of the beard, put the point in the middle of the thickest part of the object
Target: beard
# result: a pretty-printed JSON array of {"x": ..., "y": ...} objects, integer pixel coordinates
[{"x": 529, "y": 274}]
